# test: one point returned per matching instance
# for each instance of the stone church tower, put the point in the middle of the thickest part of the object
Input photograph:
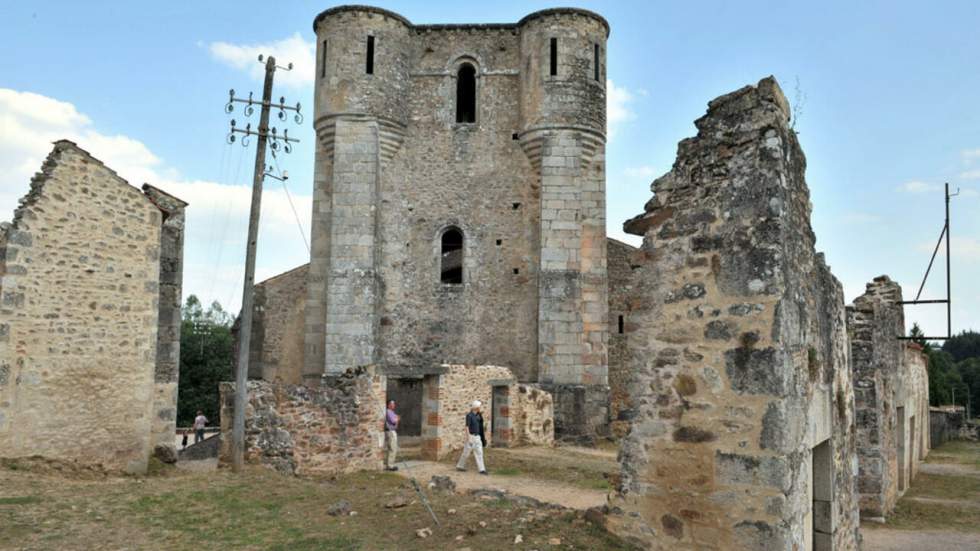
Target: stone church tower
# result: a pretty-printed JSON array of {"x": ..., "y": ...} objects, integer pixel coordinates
[{"x": 459, "y": 202}]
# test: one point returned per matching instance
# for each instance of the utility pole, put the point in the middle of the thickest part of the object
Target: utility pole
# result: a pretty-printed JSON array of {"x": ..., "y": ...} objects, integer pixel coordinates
[{"x": 264, "y": 134}]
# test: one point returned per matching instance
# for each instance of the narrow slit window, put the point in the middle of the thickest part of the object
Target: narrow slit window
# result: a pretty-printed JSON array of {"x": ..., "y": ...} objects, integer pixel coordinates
[
  {"x": 554, "y": 56},
  {"x": 370, "y": 55},
  {"x": 451, "y": 261},
  {"x": 621, "y": 324},
  {"x": 323, "y": 59},
  {"x": 595, "y": 62},
  {"x": 466, "y": 94}
]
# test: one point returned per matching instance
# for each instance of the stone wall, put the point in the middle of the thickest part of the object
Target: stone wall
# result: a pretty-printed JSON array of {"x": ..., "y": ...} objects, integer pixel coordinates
[
  {"x": 168, "y": 328},
  {"x": 945, "y": 424},
  {"x": 891, "y": 397},
  {"x": 741, "y": 435},
  {"x": 446, "y": 401},
  {"x": 619, "y": 262},
  {"x": 524, "y": 184},
  {"x": 532, "y": 415},
  {"x": 278, "y": 317},
  {"x": 332, "y": 428},
  {"x": 80, "y": 327}
]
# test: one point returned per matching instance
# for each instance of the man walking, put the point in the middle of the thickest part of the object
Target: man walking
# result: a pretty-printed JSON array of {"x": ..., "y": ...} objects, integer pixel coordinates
[
  {"x": 391, "y": 436},
  {"x": 199, "y": 423},
  {"x": 475, "y": 439}
]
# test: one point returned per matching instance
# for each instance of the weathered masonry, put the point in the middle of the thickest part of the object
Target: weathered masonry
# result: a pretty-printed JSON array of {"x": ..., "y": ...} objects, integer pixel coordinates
[
  {"x": 741, "y": 431},
  {"x": 459, "y": 201},
  {"x": 90, "y": 276},
  {"x": 891, "y": 395}
]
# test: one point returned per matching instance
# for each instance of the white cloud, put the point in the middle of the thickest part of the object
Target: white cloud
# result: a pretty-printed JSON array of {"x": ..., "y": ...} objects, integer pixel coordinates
[
  {"x": 970, "y": 175},
  {"x": 970, "y": 155},
  {"x": 294, "y": 49},
  {"x": 916, "y": 186},
  {"x": 617, "y": 106},
  {"x": 962, "y": 248},
  {"x": 217, "y": 215},
  {"x": 644, "y": 172},
  {"x": 860, "y": 218}
]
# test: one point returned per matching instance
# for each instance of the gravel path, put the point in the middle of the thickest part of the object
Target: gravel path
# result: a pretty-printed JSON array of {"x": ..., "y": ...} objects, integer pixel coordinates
[{"x": 883, "y": 539}]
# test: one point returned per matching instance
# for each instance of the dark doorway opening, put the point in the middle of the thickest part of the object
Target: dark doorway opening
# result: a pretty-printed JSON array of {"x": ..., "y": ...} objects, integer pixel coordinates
[{"x": 407, "y": 394}]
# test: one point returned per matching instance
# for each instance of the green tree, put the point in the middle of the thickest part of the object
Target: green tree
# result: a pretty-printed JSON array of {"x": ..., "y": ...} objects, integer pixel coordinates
[
  {"x": 205, "y": 359},
  {"x": 919, "y": 337},
  {"x": 963, "y": 346}
]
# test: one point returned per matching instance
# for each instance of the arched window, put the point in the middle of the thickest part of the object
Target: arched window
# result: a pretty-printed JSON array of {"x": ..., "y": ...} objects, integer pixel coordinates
[
  {"x": 466, "y": 94},
  {"x": 451, "y": 259}
]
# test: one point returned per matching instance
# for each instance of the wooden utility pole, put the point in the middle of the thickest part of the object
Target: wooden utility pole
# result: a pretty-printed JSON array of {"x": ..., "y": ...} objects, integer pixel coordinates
[{"x": 245, "y": 328}]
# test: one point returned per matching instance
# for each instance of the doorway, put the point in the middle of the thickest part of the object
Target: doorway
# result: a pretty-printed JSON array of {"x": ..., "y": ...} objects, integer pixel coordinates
[
  {"x": 407, "y": 394},
  {"x": 822, "y": 490},
  {"x": 902, "y": 454}
]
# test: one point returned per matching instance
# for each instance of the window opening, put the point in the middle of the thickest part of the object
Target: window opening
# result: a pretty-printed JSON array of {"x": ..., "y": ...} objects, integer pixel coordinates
[
  {"x": 516, "y": 271},
  {"x": 323, "y": 59},
  {"x": 466, "y": 94},
  {"x": 554, "y": 56},
  {"x": 370, "y": 55},
  {"x": 452, "y": 257},
  {"x": 620, "y": 325},
  {"x": 515, "y": 206},
  {"x": 595, "y": 61}
]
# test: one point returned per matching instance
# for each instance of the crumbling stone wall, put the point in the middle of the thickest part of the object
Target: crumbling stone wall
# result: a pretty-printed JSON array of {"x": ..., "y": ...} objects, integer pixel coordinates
[
  {"x": 80, "y": 274},
  {"x": 524, "y": 184},
  {"x": 741, "y": 435},
  {"x": 532, "y": 415},
  {"x": 620, "y": 267},
  {"x": 331, "y": 428},
  {"x": 891, "y": 397},
  {"x": 946, "y": 423}
]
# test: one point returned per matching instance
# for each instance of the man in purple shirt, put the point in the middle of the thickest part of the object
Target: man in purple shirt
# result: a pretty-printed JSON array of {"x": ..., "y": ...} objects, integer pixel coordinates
[{"x": 391, "y": 436}]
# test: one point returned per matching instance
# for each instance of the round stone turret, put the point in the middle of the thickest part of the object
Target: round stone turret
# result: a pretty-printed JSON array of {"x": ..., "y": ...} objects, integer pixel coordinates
[
  {"x": 362, "y": 62},
  {"x": 563, "y": 72}
]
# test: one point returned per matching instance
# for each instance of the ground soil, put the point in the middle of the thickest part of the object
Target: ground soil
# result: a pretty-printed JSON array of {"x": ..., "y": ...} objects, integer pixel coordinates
[
  {"x": 941, "y": 510},
  {"x": 44, "y": 506}
]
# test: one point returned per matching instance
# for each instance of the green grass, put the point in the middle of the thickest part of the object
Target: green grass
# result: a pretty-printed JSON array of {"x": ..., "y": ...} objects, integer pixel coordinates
[{"x": 19, "y": 500}]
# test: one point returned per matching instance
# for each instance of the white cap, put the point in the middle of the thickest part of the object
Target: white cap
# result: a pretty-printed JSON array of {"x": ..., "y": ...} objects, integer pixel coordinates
[{"x": 476, "y": 403}]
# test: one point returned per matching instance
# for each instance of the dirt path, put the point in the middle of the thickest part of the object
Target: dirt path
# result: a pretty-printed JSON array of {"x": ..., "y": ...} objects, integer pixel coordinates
[
  {"x": 883, "y": 539},
  {"x": 545, "y": 491},
  {"x": 948, "y": 469}
]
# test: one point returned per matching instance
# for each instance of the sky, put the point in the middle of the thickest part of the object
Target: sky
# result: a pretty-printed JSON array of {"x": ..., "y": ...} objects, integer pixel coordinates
[{"x": 886, "y": 95}]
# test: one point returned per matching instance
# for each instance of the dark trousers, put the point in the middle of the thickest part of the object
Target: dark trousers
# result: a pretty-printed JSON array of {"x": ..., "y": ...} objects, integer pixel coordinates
[{"x": 198, "y": 435}]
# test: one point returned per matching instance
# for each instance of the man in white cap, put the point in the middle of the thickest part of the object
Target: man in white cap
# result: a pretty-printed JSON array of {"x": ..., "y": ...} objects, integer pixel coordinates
[{"x": 475, "y": 439}]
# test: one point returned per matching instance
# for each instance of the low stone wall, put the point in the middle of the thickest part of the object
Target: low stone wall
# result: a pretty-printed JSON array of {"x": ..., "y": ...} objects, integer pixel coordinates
[
  {"x": 946, "y": 423},
  {"x": 532, "y": 413},
  {"x": 332, "y": 428}
]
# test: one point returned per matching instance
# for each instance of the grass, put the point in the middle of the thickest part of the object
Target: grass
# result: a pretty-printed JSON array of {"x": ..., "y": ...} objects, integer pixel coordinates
[
  {"x": 943, "y": 501},
  {"x": 262, "y": 510}
]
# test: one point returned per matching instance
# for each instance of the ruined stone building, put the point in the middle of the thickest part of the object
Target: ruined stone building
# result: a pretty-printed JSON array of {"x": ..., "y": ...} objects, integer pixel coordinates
[
  {"x": 90, "y": 280},
  {"x": 891, "y": 395},
  {"x": 741, "y": 429},
  {"x": 459, "y": 209}
]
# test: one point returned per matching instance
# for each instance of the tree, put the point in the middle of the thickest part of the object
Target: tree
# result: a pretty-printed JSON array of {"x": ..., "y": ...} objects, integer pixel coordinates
[
  {"x": 963, "y": 346},
  {"x": 919, "y": 337},
  {"x": 206, "y": 347}
]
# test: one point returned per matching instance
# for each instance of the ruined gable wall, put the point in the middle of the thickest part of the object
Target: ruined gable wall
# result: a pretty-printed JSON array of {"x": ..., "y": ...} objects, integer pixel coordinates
[
  {"x": 737, "y": 348},
  {"x": 79, "y": 317},
  {"x": 620, "y": 289},
  {"x": 332, "y": 428},
  {"x": 278, "y": 318}
]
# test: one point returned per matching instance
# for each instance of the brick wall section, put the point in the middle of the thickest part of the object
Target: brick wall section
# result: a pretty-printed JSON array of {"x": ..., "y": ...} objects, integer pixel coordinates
[
  {"x": 79, "y": 318},
  {"x": 738, "y": 350},
  {"x": 168, "y": 329},
  {"x": 446, "y": 400},
  {"x": 619, "y": 262},
  {"x": 328, "y": 429}
]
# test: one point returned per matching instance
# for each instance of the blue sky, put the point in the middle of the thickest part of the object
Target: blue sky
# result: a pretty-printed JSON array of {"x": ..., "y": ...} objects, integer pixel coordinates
[{"x": 889, "y": 112}]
